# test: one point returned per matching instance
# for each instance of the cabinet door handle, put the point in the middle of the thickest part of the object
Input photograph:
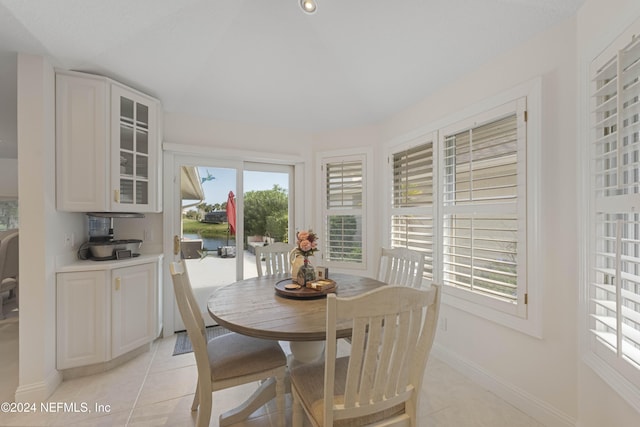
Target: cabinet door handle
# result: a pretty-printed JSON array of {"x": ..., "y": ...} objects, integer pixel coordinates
[
  {"x": 118, "y": 282},
  {"x": 116, "y": 196},
  {"x": 176, "y": 245}
]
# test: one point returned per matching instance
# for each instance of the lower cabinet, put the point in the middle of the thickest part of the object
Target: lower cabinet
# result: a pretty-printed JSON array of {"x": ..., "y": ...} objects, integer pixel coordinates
[
  {"x": 83, "y": 318},
  {"x": 132, "y": 307},
  {"x": 102, "y": 314}
]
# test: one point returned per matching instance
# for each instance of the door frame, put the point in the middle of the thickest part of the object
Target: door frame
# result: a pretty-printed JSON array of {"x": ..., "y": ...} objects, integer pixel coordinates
[{"x": 176, "y": 155}]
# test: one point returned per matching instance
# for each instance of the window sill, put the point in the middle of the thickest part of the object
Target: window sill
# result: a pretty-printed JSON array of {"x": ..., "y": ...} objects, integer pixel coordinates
[{"x": 456, "y": 298}]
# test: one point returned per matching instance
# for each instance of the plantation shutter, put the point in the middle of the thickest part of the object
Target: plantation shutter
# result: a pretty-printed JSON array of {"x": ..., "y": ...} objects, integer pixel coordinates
[
  {"x": 412, "y": 209},
  {"x": 614, "y": 290},
  {"x": 484, "y": 206},
  {"x": 344, "y": 192}
]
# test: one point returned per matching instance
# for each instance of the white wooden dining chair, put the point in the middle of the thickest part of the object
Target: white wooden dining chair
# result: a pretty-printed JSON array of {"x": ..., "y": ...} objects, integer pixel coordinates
[
  {"x": 379, "y": 382},
  {"x": 276, "y": 258},
  {"x": 401, "y": 266},
  {"x": 228, "y": 360}
]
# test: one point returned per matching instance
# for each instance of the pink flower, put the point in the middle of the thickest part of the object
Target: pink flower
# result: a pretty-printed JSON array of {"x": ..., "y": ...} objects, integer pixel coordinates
[
  {"x": 307, "y": 242},
  {"x": 305, "y": 245}
]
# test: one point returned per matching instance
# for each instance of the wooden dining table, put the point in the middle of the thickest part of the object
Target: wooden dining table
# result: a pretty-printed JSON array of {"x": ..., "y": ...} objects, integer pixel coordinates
[{"x": 253, "y": 307}]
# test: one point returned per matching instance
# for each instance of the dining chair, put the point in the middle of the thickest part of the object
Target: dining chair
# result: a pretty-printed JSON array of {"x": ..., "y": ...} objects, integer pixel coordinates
[
  {"x": 228, "y": 360},
  {"x": 276, "y": 257},
  {"x": 379, "y": 382},
  {"x": 9, "y": 265},
  {"x": 401, "y": 266}
]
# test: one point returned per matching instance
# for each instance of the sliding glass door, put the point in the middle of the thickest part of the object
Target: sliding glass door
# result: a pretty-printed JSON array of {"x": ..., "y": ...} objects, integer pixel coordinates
[{"x": 225, "y": 210}]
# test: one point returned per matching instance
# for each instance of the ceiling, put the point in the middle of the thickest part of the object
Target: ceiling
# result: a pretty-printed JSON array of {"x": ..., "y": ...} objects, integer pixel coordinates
[{"x": 265, "y": 62}]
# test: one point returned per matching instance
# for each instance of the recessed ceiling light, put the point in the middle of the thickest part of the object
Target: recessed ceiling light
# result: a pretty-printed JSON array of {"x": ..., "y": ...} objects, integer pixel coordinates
[{"x": 308, "y": 6}]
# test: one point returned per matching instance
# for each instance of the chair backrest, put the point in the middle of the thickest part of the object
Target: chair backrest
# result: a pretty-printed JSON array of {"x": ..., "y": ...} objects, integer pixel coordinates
[
  {"x": 191, "y": 317},
  {"x": 401, "y": 266},
  {"x": 276, "y": 257},
  {"x": 392, "y": 335},
  {"x": 9, "y": 265}
]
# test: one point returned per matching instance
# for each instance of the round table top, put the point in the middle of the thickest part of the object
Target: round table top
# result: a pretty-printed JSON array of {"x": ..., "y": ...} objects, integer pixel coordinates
[{"x": 252, "y": 307}]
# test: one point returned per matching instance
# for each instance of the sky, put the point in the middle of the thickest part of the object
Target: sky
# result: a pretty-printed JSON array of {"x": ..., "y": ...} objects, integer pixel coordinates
[{"x": 217, "y": 189}]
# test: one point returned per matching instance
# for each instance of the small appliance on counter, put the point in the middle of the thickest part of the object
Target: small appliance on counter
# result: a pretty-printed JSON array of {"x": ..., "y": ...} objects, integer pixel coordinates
[{"x": 101, "y": 245}]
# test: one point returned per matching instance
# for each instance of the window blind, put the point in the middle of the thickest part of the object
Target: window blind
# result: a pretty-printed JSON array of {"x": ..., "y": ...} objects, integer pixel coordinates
[
  {"x": 482, "y": 214},
  {"x": 614, "y": 290},
  {"x": 481, "y": 163},
  {"x": 412, "y": 207},
  {"x": 344, "y": 192},
  {"x": 344, "y": 184},
  {"x": 413, "y": 177}
]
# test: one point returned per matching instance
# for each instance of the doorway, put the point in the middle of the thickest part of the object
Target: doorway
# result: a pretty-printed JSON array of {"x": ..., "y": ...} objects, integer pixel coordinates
[{"x": 226, "y": 209}]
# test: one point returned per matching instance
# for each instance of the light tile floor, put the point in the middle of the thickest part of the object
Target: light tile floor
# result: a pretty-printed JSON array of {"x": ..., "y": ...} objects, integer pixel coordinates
[{"x": 156, "y": 389}]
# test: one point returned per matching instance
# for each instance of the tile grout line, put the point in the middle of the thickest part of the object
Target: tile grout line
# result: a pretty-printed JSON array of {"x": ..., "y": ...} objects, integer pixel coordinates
[{"x": 144, "y": 380}]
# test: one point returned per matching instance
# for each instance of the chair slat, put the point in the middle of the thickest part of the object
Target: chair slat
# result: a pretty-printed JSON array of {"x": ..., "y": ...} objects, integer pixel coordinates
[
  {"x": 401, "y": 266},
  {"x": 276, "y": 257}
]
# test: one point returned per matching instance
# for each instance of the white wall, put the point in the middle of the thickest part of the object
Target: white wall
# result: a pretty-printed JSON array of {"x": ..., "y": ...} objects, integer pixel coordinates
[
  {"x": 190, "y": 130},
  {"x": 38, "y": 376},
  {"x": 598, "y": 24},
  {"x": 42, "y": 229},
  {"x": 539, "y": 375}
]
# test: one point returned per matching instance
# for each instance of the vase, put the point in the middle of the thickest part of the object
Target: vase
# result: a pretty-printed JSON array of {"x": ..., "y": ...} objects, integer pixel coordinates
[
  {"x": 296, "y": 260},
  {"x": 306, "y": 273}
]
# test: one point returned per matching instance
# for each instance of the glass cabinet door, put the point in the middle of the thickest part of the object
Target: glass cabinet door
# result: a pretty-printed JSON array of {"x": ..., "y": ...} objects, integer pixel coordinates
[{"x": 135, "y": 130}]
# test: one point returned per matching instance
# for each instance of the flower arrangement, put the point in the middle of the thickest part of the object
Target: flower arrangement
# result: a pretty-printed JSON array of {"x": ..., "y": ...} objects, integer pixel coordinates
[{"x": 307, "y": 242}]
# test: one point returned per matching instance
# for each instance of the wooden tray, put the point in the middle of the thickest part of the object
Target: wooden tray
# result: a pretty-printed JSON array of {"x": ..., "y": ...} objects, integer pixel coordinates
[{"x": 303, "y": 293}]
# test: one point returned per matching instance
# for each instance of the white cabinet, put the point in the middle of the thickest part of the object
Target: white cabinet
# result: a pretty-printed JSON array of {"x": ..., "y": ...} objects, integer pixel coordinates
[
  {"x": 105, "y": 312},
  {"x": 83, "y": 318},
  {"x": 107, "y": 146},
  {"x": 82, "y": 143},
  {"x": 132, "y": 307}
]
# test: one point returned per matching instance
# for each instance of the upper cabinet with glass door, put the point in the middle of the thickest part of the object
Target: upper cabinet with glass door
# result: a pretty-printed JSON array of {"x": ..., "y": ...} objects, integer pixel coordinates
[
  {"x": 134, "y": 153},
  {"x": 107, "y": 146}
]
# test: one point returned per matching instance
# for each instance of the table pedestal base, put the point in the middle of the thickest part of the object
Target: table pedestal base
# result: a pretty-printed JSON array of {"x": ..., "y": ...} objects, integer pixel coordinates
[
  {"x": 306, "y": 351},
  {"x": 260, "y": 397},
  {"x": 301, "y": 352}
]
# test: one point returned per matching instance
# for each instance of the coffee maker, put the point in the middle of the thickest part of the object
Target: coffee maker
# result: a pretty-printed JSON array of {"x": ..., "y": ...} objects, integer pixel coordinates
[{"x": 101, "y": 246}]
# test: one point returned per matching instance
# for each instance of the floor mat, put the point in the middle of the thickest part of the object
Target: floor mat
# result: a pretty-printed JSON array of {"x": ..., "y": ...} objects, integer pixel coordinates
[{"x": 183, "y": 343}]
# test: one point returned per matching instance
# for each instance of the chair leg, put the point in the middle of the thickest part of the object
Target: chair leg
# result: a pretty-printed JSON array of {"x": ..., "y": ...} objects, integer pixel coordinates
[
  {"x": 297, "y": 411},
  {"x": 1, "y": 309},
  {"x": 196, "y": 399},
  {"x": 280, "y": 398},
  {"x": 204, "y": 412}
]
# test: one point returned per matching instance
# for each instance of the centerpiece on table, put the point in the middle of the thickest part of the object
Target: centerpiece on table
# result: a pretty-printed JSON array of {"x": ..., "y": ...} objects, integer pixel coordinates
[{"x": 302, "y": 272}]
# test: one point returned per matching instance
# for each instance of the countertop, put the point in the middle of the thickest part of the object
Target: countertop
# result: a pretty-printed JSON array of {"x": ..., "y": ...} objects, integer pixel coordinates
[{"x": 92, "y": 265}]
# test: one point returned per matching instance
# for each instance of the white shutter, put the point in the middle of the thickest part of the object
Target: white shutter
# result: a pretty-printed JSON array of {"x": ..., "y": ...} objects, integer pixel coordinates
[
  {"x": 343, "y": 203},
  {"x": 412, "y": 208},
  {"x": 484, "y": 206},
  {"x": 614, "y": 294}
]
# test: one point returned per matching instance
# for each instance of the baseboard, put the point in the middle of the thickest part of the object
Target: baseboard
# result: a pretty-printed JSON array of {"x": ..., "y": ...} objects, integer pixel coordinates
[
  {"x": 40, "y": 391},
  {"x": 531, "y": 405}
]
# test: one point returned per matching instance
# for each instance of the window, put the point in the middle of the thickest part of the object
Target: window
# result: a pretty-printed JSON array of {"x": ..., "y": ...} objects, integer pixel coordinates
[
  {"x": 465, "y": 194},
  {"x": 613, "y": 305},
  {"x": 412, "y": 208},
  {"x": 343, "y": 201},
  {"x": 8, "y": 214},
  {"x": 484, "y": 208}
]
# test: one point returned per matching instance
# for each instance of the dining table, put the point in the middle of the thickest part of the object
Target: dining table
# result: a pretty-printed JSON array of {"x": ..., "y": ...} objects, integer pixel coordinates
[
  {"x": 254, "y": 307},
  {"x": 260, "y": 308}
]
